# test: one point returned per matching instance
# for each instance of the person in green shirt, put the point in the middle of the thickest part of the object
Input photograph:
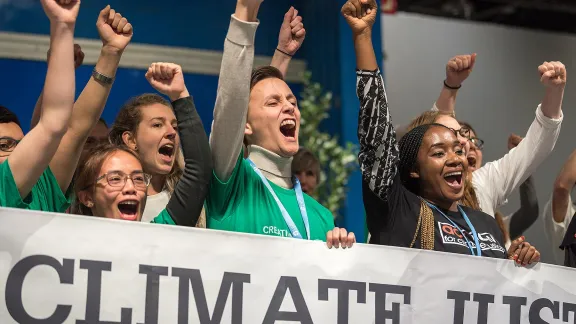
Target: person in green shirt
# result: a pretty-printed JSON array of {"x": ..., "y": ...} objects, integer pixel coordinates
[
  {"x": 258, "y": 194},
  {"x": 111, "y": 182},
  {"x": 26, "y": 181}
]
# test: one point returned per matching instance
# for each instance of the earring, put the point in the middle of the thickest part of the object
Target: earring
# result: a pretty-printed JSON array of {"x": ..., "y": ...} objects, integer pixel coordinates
[
  {"x": 136, "y": 148},
  {"x": 89, "y": 204}
]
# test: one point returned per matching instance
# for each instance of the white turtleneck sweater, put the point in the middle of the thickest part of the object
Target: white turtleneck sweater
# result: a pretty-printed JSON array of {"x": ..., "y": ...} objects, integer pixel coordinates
[{"x": 274, "y": 167}]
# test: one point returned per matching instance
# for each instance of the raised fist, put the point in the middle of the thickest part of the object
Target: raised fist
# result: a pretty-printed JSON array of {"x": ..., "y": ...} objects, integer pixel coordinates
[
  {"x": 360, "y": 15},
  {"x": 513, "y": 141},
  {"x": 115, "y": 30},
  {"x": 552, "y": 74},
  {"x": 168, "y": 79},
  {"x": 458, "y": 69},
  {"x": 61, "y": 11},
  {"x": 292, "y": 32},
  {"x": 78, "y": 56}
]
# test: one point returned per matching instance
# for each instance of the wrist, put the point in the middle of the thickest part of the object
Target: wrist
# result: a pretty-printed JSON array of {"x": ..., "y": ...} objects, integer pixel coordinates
[
  {"x": 179, "y": 95},
  {"x": 365, "y": 34},
  {"x": 246, "y": 13},
  {"x": 111, "y": 51},
  {"x": 452, "y": 85},
  {"x": 284, "y": 53}
]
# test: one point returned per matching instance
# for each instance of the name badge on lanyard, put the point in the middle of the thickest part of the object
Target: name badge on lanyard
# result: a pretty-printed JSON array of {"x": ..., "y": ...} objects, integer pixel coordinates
[
  {"x": 299, "y": 197},
  {"x": 472, "y": 229}
]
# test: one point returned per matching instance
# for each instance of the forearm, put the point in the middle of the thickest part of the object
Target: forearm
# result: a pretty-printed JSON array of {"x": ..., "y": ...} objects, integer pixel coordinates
[
  {"x": 37, "y": 111},
  {"x": 552, "y": 102},
  {"x": 446, "y": 101},
  {"x": 59, "y": 86},
  {"x": 365, "y": 56},
  {"x": 560, "y": 201},
  {"x": 185, "y": 205},
  {"x": 233, "y": 96},
  {"x": 87, "y": 111},
  {"x": 281, "y": 61},
  {"x": 528, "y": 212}
]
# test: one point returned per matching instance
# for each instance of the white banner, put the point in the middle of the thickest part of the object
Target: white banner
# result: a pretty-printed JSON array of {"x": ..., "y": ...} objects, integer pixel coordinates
[{"x": 72, "y": 269}]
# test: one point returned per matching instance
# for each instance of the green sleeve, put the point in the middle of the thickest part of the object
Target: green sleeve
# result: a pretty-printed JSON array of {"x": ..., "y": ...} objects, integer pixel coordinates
[
  {"x": 163, "y": 218},
  {"x": 10, "y": 196},
  {"x": 225, "y": 195},
  {"x": 49, "y": 192}
]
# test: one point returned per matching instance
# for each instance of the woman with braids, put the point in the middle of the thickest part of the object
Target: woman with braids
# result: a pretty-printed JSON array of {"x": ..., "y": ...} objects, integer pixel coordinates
[
  {"x": 113, "y": 183},
  {"x": 412, "y": 190}
]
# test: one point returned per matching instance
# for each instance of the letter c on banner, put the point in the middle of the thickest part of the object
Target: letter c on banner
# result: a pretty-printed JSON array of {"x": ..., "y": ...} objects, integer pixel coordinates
[{"x": 15, "y": 282}]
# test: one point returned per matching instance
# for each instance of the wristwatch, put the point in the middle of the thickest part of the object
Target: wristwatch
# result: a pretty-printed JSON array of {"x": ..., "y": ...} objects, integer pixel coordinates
[{"x": 101, "y": 77}]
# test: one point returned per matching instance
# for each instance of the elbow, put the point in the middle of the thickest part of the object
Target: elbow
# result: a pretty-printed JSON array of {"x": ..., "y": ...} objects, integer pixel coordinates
[{"x": 561, "y": 186}]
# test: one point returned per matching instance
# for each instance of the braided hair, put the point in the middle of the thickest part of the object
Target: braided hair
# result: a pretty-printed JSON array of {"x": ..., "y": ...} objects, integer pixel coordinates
[{"x": 409, "y": 146}]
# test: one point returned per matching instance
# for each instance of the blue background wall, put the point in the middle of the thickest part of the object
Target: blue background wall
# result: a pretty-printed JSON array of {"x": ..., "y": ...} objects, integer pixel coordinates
[{"x": 328, "y": 51}]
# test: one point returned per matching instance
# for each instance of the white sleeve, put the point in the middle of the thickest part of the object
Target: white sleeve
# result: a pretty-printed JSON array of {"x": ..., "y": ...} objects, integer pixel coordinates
[
  {"x": 555, "y": 231},
  {"x": 496, "y": 180}
]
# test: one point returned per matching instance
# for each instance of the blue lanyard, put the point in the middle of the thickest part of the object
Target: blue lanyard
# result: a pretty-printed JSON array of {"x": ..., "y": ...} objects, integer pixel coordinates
[
  {"x": 299, "y": 197},
  {"x": 474, "y": 234}
]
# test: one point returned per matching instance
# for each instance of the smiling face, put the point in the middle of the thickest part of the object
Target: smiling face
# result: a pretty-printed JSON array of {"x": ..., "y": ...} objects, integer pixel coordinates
[
  {"x": 273, "y": 117},
  {"x": 440, "y": 167},
  {"x": 156, "y": 139},
  {"x": 110, "y": 197}
]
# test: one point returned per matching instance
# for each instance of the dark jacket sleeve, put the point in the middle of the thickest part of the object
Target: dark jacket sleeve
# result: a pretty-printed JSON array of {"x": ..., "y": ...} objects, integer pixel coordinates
[
  {"x": 528, "y": 212},
  {"x": 379, "y": 154},
  {"x": 187, "y": 200}
]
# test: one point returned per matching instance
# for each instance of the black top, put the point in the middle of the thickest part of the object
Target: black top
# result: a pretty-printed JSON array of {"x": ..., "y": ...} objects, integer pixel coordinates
[
  {"x": 187, "y": 200},
  {"x": 569, "y": 244},
  {"x": 392, "y": 210}
]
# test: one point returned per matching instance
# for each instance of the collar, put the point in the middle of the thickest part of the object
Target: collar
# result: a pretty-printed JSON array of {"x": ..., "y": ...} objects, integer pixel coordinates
[{"x": 275, "y": 168}]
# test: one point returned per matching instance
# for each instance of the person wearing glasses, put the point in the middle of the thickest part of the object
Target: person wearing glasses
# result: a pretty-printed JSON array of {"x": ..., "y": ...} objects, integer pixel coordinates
[
  {"x": 26, "y": 180},
  {"x": 493, "y": 182},
  {"x": 111, "y": 182}
]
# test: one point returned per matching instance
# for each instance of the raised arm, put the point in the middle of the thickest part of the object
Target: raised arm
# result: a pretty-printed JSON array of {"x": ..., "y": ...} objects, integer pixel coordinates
[
  {"x": 496, "y": 180},
  {"x": 291, "y": 37},
  {"x": 115, "y": 32},
  {"x": 31, "y": 157},
  {"x": 458, "y": 69},
  {"x": 562, "y": 189},
  {"x": 78, "y": 60},
  {"x": 187, "y": 201},
  {"x": 528, "y": 212},
  {"x": 233, "y": 94},
  {"x": 378, "y": 147}
]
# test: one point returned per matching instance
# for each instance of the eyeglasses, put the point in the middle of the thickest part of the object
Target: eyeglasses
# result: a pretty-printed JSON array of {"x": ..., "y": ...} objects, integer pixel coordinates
[
  {"x": 464, "y": 132},
  {"x": 477, "y": 142},
  {"x": 7, "y": 144},
  {"x": 117, "y": 179}
]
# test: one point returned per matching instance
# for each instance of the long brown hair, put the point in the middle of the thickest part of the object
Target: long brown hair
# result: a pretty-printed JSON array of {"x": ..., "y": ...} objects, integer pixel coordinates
[
  {"x": 429, "y": 117},
  {"x": 129, "y": 119},
  {"x": 89, "y": 167}
]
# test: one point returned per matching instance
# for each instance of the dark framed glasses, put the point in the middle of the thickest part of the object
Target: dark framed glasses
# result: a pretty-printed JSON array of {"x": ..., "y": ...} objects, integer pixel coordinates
[
  {"x": 117, "y": 179},
  {"x": 477, "y": 142},
  {"x": 7, "y": 144}
]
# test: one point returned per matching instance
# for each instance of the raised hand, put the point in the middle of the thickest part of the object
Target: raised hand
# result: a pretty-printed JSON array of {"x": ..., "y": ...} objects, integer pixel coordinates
[
  {"x": 115, "y": 31},
  {"x": 458, "y": 69},
  {"x": 552, "y": 74},
  {"x": 168, "y": 79},
  {"x": 513, "y": 141},
  {"x": 292, "y": 32},
  {"x": 340, "y": 237},
  {"x": 61, "y": 11},
  {"x": 522, "y": 252},
  {"x": 78, "y": 56},
  {"x": 360, "y": 15}
]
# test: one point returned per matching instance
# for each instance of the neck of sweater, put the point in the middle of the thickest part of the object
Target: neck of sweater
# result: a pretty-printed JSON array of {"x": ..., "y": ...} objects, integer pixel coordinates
[{"x": 274, "y": 167}]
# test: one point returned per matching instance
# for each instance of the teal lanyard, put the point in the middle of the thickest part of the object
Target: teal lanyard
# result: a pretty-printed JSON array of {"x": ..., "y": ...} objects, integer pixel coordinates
[{"x": 472, "y": 229}]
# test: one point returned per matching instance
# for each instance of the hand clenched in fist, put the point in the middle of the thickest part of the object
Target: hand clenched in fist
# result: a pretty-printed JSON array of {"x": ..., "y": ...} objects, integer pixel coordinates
[
  {"x": 292, "y": 32},
  {"x": 360, "y": 15},
  {"x": 458, "y": 69},
  {"x": 115, "y": 30},
  {"x": 513, "y": 141},
  {"x": 552, "y": 74},
  {"x": 61, "y": 11},
  {"x": 168, "y": 79},
  {"x": 339, "y": 237}
]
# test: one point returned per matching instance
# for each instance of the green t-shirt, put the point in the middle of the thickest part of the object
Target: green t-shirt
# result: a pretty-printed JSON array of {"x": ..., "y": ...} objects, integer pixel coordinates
[
  {"x": 163, "y": 218},
  {"x": 46, "y": 194},
  {"x": 244, "y": 204}
]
